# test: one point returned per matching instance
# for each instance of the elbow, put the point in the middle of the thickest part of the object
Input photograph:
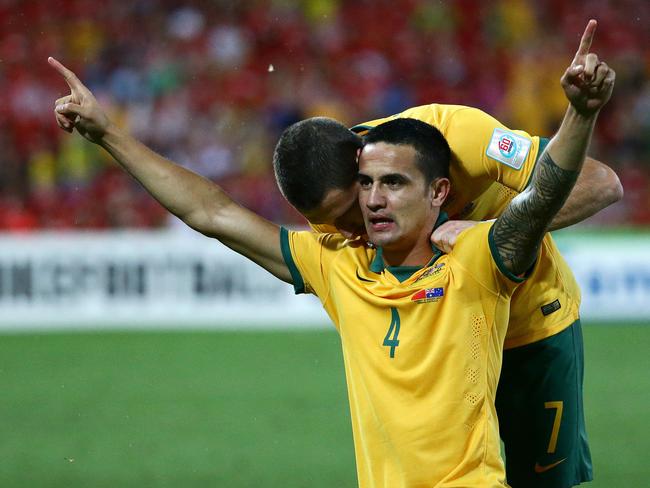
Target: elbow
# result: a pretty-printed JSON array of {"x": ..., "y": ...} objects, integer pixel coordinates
[
  {"x": 602, "y": 183},
  {"x": 214, "y": 218},
  {"x": 612, "y": 191},
  {"x": 203, "y": 222}
]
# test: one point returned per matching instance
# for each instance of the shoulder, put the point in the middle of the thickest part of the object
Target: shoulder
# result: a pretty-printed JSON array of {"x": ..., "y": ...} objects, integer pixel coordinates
[
  {"x": 472, "y": 246},
  {"x": 476, "y": 252},
  {"x": 435, "y": 114},
  {"x": 310, "y": 258},
  {"x": 309, "y": 239},
  {"x": 474, "y": 234}
]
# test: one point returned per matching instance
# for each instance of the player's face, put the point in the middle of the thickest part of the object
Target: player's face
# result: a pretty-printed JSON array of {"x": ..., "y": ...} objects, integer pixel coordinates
[
  {"x": 340, "y": 208},
  {"x": 399, "y": 207}
]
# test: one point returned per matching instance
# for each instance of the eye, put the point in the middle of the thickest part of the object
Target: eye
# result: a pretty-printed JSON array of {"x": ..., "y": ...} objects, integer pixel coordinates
[
  {"x": 364, "y": 182},
  {"x": 393, "y": 181}
]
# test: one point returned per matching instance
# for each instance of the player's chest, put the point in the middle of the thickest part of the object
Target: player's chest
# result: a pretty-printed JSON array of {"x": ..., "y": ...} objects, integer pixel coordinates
[{"x": 408, "y": 322}]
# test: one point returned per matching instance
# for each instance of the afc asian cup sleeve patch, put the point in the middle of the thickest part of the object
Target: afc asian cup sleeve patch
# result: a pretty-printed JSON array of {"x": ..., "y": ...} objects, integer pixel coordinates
[{"x": 509, "y": 148}]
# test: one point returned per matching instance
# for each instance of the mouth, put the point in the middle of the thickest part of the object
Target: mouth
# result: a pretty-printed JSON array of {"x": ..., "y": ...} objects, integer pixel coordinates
[{"x": 381, "y": 223}]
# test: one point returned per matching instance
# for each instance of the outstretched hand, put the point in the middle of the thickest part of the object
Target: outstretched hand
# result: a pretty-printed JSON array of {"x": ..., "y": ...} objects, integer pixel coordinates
[
  {"x": 80, "y": 109},
  {"x": 588, "y": 82}
]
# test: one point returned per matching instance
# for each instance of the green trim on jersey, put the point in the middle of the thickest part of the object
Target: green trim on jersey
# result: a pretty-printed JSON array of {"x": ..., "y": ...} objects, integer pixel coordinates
[
  {"x": 361, "y": 128},
  {"x": 377, "y": 264},
  {"x": 543, "y": 142},
  {"x": 500, "y": 264},
  {"x": 298, "y": 282}
]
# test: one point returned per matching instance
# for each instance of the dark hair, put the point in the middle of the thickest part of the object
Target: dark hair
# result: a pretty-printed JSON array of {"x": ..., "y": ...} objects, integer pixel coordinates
[
  {"x": 312, "y": 157},
  {"x": 433, "y": 153}
]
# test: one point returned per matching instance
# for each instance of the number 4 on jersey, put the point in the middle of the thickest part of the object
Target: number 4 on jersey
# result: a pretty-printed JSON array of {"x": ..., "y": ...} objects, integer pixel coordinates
[{"x": 393, "y": 332}]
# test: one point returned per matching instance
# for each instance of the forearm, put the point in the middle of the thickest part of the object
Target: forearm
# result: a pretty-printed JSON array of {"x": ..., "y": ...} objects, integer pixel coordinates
[
  {"x": 597, "y": 187},
  {"x": 189, "y": 196},
  {"x": 568, "y": 147},
  {"x": 519, "y": 231}
]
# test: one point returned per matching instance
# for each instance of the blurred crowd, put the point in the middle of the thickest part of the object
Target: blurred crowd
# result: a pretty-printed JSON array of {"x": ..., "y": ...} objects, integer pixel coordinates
[{"x": 211, "y": 85}]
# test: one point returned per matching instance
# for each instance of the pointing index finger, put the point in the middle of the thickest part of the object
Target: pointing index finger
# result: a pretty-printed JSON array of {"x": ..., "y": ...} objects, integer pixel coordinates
[
  {"x": 70, "y": 78},
  {"x": 587, "y": 37}
]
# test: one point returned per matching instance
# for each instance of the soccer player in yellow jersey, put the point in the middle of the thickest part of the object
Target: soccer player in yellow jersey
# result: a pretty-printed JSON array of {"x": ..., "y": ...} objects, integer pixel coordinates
[
  {"x": 422, "y": 332},
  {"x": 539, "y": 400}
]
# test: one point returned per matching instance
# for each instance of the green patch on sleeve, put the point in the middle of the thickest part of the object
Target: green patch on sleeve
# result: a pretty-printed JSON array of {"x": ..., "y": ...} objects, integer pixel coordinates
[{"x": 298, "y": 282}]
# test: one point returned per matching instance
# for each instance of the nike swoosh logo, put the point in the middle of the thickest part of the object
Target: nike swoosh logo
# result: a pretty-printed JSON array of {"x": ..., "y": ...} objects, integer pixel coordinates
[
  {"x": 360, "y": 278},
  {"x": 541, "y": 469}
]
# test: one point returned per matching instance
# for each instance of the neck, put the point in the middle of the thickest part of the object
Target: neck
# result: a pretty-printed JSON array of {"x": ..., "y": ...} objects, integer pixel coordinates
[{"x": 417, "y": 253}]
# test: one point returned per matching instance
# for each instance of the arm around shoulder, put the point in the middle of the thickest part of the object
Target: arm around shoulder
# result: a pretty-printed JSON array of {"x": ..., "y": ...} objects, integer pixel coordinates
[{"x": 598, "y": 187}]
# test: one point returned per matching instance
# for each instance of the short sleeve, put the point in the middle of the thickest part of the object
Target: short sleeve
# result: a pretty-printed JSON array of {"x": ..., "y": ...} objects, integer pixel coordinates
[
  {"x": 309, "y": 256},
  {"x": 323, "y": 228},
  {"x": 485, "y": 149},
  {"x": 476, "y": 253}
]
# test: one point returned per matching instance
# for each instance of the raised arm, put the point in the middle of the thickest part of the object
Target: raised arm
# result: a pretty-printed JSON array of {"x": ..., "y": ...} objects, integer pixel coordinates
[
  {"x": 518, "y": 232},
  {"x": 194, "y": 199}
]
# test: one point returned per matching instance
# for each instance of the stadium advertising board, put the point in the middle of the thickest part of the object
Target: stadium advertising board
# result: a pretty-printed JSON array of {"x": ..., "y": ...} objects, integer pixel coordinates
[
  {"x": 175, "y": 279},
  {"x": 138, "y": 279},
  {"x": 613, "y": 271}
]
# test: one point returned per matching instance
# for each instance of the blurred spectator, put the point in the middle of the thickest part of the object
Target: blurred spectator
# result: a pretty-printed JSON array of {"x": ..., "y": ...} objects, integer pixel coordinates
[{"x": 212, "y": 84}]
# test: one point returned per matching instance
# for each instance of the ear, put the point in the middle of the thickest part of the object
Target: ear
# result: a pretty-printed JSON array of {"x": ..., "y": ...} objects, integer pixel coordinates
[{"x": 439, "y": 191}]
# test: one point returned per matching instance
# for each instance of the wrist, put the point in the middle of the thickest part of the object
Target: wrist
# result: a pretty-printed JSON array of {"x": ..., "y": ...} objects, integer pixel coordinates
[
  {"x": 582, "y": 115},
  {"x": 576, "y": 120},
  {"x": 111, "y": 135}
]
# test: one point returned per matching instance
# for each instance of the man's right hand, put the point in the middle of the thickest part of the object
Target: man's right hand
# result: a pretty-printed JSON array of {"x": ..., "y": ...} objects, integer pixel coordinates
[
  {"x": 444, "y": 237},
  {"x": 80, "y": 109}
]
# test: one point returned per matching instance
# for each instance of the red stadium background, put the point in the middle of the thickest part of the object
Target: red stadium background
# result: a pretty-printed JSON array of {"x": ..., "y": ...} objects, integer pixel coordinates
[{"x": 211, "y": 84}]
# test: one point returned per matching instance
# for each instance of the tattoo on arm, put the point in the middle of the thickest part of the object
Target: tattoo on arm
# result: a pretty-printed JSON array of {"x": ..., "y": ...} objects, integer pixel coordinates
[{"x": 520, "y": 229}]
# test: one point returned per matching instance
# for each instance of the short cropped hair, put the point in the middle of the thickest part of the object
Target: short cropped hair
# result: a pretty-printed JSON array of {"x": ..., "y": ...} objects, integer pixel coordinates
[
  {"x": 433, "y": 153},
  {"x": 312, "y": 157}
]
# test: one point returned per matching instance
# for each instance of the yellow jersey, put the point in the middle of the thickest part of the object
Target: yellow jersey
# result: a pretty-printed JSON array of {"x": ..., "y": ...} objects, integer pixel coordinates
[
  {"x": 490, "y": 164},
  {"x": 422, "y": 350},
  {"x": 549, "y": 300}
]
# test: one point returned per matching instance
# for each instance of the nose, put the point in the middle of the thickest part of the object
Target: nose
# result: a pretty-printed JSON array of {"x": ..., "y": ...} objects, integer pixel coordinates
[{"x": 375, "y": 198}]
